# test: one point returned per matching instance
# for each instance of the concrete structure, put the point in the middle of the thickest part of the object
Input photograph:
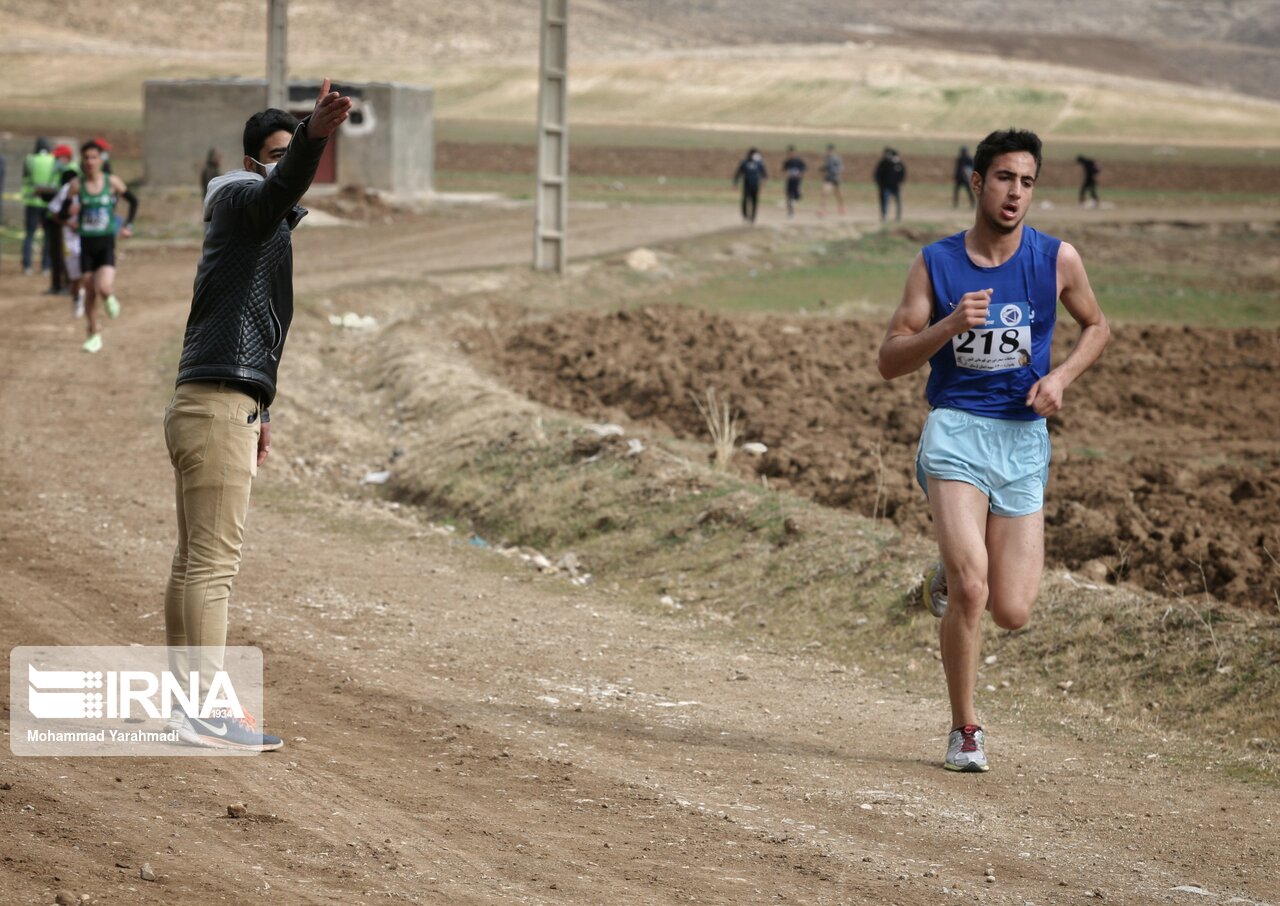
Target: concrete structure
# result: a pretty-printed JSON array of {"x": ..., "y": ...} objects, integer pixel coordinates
[
  {"x": 388, "y": 143},
  {"x": 277, "y": 53}
]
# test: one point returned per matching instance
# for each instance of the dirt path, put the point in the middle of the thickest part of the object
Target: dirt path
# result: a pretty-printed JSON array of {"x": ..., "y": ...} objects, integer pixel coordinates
[{"x": 461, "y": 731}]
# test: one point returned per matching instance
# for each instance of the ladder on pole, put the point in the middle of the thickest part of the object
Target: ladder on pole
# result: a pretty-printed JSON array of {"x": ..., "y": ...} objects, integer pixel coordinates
[{"x": 551, "y": 206}]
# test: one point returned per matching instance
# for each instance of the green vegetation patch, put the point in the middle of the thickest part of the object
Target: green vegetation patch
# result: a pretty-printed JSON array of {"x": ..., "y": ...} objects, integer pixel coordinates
[{"x": 1141, "y": 274}]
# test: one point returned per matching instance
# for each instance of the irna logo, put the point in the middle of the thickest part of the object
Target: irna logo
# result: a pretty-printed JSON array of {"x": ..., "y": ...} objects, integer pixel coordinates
[{"x": 62, "y": 694}]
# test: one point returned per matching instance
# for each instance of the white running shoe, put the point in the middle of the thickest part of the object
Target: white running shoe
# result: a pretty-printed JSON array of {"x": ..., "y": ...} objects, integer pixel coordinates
[
  {"x": 94, "y": 343},
  {"x": 966, "y": 750},
  {"x": 181, "y": 727}
]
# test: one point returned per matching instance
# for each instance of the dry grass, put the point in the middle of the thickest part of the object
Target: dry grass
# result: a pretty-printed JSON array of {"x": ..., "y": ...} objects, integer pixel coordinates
[
  {"x": 722, "y": 424},
  {"x": 881, "y": 90}
]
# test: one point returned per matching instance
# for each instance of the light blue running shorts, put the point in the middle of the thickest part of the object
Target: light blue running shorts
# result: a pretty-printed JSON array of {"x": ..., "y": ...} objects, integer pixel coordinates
[{"x": 1007, "y": 460}]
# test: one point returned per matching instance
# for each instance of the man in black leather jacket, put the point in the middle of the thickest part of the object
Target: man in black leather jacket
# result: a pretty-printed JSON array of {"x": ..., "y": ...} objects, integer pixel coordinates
[{"x": 217, "y": 427}]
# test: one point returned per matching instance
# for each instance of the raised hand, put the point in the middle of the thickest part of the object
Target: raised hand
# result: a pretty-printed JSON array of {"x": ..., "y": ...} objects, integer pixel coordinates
[{"x": 331, "y": 111}]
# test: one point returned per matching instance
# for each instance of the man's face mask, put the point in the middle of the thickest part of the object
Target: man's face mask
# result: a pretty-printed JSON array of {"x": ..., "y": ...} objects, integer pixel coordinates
[{"x": 267, "y": 167}]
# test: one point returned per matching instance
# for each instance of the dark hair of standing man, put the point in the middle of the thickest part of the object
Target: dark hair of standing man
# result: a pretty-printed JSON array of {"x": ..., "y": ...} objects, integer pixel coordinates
[
  {"x": 262, "y": 125},
  {"x": 1005, "y": 142}
]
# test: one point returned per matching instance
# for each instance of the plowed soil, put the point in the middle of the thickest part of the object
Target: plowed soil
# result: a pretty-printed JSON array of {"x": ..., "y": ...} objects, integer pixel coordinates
[
  {"x": 1166, "y": 464},
  {"x": 719, "y": 163}
]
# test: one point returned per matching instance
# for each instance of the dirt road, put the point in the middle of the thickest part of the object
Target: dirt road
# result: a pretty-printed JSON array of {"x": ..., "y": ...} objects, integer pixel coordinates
[{"x": 460, "y": 730}]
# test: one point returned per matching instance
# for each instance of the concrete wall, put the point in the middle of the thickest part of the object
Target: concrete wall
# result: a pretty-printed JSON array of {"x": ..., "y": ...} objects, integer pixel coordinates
[
  {"x": 388, "y": 144},
  {"x": 413, "y": 145},
  {"x": 183, "y": 120}
]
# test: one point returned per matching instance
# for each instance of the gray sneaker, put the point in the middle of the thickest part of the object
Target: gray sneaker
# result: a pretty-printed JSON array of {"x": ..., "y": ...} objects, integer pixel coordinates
[
  {"x": 935, "y": 589},
  {"x": 966, "y": 750}
]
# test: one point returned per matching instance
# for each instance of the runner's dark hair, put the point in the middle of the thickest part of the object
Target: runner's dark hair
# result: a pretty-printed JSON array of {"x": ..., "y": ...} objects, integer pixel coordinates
[
  {"x": 91, "y": 145},
  {"x": 1005, "y": 141}
]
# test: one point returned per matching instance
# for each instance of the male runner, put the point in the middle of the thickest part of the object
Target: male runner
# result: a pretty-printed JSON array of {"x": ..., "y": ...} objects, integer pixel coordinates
[
  {"x": 794, "y": 167},
  {"x": 97, "y": 193},
  {"x": 979, "y": 307},
  {"x": 217, "y": 427},
  {"x": 890, "y": 174},
  {"x": 56, "y": 248},
  {"x": 1090, "y": 185},
  {"x": 65, "y": 213},
  {"x": 751, "y": 173},
  {"x": 832, "y": 169}
]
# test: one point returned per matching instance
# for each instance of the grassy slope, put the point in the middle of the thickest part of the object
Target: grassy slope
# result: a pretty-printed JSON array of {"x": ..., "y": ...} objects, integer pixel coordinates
[
  {"x": 875, "y": 91},
  {"x": 861, "y": 93},
  {"x": 738, "y": 558}
]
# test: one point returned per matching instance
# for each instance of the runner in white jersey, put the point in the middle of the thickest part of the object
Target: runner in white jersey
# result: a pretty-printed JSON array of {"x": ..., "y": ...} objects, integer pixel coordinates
[{"x": 65, "y": 213}]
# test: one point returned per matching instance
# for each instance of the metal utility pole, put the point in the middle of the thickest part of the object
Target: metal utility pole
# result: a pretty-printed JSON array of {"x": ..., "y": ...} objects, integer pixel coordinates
[
  {"x": 277, "y": 55},
  {"x": 552, "y": 205}
]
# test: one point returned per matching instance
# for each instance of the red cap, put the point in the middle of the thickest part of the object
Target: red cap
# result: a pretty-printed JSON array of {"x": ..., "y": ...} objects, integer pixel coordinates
[
  {"x": 63, "y": 151},
  {"x": 106, "y": 145}
]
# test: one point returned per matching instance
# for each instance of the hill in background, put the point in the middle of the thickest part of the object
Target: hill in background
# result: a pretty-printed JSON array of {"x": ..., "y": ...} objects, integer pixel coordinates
[{"x": 1232, "y": 44}]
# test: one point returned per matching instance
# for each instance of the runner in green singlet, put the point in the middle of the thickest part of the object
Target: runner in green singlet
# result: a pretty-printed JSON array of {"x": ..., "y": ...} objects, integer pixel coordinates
[{"x": 96, "y": 194}]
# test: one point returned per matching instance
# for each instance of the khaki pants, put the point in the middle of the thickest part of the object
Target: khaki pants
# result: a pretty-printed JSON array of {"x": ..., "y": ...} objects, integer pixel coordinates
[{"x": 212, "y": 434}]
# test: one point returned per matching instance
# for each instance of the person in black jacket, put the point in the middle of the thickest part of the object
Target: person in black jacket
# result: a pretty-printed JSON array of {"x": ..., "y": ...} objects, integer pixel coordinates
[
  {"x": 751, "y": 173},
  {"x": 794, "y": 167},
  {"x": 890, "y": 174},
  {"x": 217, "y": 427},
  {"x": 1090, "y": 184}
]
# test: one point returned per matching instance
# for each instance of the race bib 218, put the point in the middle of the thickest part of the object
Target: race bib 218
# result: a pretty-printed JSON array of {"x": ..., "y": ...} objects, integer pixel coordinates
[{"x": 1001, "y": 344}]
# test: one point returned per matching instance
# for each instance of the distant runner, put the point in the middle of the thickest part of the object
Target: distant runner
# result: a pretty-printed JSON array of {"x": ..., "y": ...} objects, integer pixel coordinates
[
  {"x": 794, "y": 167},
  {"x": 832, "y": 170},
  {"x": 1090, "y": 184},
  {"x": 53, "y": 230},
  {"x": 979, "y": 307},
  {"x": 97, "y": 194},
  {"x": 890, "y": 174},
  {"x": 751, "y": 173},
  {"x": 65, "y": 213}
]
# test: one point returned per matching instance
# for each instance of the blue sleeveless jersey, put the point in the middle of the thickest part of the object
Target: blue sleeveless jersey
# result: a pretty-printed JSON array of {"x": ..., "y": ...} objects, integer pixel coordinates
[{"x": 988, "y": 371}]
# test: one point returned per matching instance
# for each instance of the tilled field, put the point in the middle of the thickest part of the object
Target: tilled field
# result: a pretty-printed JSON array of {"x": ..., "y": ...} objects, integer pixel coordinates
[
  {"x": 1166, "y": 466},
  {"x": 719, "y": 163}
]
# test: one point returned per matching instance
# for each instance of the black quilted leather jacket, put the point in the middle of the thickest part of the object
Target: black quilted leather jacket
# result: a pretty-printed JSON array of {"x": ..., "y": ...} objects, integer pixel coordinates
[{"x": 243, "y": 299}]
